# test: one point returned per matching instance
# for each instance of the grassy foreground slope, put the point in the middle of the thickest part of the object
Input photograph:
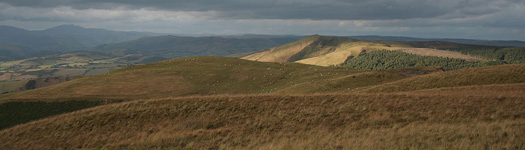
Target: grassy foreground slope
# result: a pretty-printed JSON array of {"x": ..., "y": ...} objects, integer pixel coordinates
[
  {"x": 500, "y": 74},
  {"x": 387, "y": 121}
]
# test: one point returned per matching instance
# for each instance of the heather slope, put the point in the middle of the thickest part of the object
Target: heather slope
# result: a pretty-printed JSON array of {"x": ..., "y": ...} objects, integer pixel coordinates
[{"x": 385, "y": 121}]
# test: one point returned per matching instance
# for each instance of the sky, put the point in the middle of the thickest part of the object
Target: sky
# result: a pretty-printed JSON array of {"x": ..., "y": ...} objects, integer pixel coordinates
[{"x": 472, "y": 19}]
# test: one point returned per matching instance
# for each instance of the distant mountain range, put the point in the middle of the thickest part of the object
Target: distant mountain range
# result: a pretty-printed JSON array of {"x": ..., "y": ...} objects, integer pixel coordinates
[
  {"x": 183, "y": 46},
  {"x": 17, "y": 43},
  {"x": 64, "y": 37}
]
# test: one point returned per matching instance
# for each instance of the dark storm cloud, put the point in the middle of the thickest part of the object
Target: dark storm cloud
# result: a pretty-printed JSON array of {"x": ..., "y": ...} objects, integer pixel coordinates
[
  {"x": 298, "y": 9},
  {"x": 487, "y": 19}
]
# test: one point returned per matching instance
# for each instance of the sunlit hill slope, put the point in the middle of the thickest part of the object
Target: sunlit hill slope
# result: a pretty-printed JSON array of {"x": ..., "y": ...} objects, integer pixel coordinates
[{"x": 326, "y": 51}]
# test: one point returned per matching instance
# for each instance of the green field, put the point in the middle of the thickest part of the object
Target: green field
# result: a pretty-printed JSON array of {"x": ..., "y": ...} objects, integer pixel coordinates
[{"x": 9, "y": 86}]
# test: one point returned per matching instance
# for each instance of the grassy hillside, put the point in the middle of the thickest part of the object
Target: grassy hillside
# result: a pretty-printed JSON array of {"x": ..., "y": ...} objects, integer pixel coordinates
[
  {"x": 26, "y": 64},
  {"x": 500, "y": 90},
  {"x": 18, "y": 64},
  {"x": 251, "y": 105},
  {"x": 320, "y": 50},
  {"x": 284, "y": 52},
  {"x": 207, "y": 76},
  {"x": 501, "y": 74},
  {"x": 387, "y": 121},
  {"x": 355, "y": 82},
  {"x": 327, "y": 51}
]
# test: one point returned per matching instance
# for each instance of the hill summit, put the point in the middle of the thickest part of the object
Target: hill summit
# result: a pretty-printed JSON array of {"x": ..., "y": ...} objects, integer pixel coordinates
[
  {"x": 327, "y": 50},
  {"x": 205, "y": 75}
]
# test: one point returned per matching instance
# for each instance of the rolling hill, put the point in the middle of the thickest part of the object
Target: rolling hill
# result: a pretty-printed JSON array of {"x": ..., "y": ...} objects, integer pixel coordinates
[
  {"x": 327, "y": 51},
  {"x": 211, "y": 76},
  {"x": 17, "y": 64},
  {"x": 229, "y": 103}
]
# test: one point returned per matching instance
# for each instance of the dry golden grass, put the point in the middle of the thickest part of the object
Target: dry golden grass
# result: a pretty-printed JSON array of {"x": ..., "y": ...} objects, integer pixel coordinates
[
  {"x": 499, "y": 90},
  {"x": 338, "y": 56},
  {"x": 282, "y": 53},
  {"x": 334, "y": 121},
  {"x": 326, "y": 55}
]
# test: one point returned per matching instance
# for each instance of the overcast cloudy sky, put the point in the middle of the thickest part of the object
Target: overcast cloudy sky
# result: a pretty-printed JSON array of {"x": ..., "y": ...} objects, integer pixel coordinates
[{"x": 476, "y": 19}]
